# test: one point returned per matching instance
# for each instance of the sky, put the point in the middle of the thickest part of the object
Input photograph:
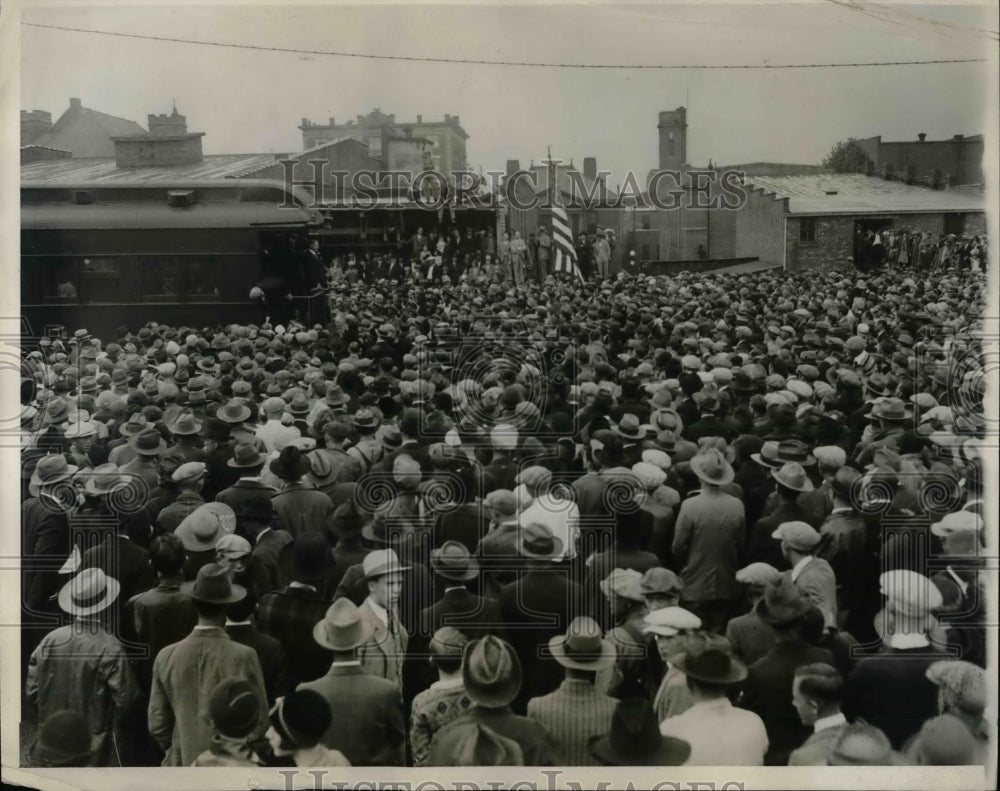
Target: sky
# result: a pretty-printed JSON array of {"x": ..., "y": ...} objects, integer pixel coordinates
[{"x": 252, "y": 101}]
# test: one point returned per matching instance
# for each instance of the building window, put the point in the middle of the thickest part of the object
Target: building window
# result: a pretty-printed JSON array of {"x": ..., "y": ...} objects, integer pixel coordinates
[
  {"x": 645, "y": 222},
  {"x": 954, "y": 223},
  {"x": 644, "y": 252},
  {"x": 807, "y": 230}
]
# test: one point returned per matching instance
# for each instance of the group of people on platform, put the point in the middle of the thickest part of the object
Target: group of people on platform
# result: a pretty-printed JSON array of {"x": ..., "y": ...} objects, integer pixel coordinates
[
  {"x": 731, "y": 519},
  {"x": 920, "y": 251}
]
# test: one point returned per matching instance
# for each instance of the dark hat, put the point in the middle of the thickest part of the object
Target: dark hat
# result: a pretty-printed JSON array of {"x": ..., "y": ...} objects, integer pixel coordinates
[
  {"x": 307, "y": 558},
  {"x": 245, "y": 454},
  {"x": 301, "y": 718},
  {"x": 347, "y": 519},
  {"x": 491, "y": 672},
  {"x": 709, "y": 658},
  {"x": 538, "y": 541},
  {"x": 213, "y": 585},
  {"x": 783, "y": 602},
  {"x": 64, "y": 739},
  {"x": 342, "y": 628},
  {"x": 335, "y": 396},
  {"x": 365, "y": 418},
  {"x": 259, "y": 509},
  {"x": 452, "y": 561},
  {"x": 582, "y": 647},
  {"x": 215, "y": 429},
  {"x": 148, "y": 442},
  {"x": 844, "y": 481},
  {"x": 635, "y": 740},
  {"x": 795, "y": 450},
  {"x": 233, "y": 707},
  {"x": 291, "y": 464}
]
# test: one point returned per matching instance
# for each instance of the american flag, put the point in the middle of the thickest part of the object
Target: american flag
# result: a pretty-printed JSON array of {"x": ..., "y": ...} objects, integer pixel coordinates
[{"x": 562, "y": 238}]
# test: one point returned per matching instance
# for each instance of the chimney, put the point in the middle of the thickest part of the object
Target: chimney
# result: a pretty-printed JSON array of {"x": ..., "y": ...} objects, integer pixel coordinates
[
  {"x": 420, "y": 119},
  {"x": 513, "y": 165},
  {"x": 922, "y": 137},
  {"x": 958, "y": 137},
  {"x": 333, "y": 121},
  {"x": 590, "y": 168},
  {"x": 168, "y": 143},
  {"x": 305, "y": 122},
  {"x": 34, "y": 125},
  {"x": 74, "y": 104}
]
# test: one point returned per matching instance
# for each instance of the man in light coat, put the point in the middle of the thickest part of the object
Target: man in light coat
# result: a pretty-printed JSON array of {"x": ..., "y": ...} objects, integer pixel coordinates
[
  {"x": 186, "y": 673},
  {"x": 384, "y": 652},
  {"x": 811, "y": 575}
]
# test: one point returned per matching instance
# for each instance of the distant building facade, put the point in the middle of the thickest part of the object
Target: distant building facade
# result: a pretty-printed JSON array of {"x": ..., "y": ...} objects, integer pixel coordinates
[
  {"x": 958, "y": 161},
  {"x": 446, "y": 138},
  {"x": 80, "y": 130}
]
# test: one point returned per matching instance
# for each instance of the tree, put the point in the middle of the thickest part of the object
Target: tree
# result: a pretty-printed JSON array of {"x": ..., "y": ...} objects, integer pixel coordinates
[{"x": 848, "y": 157}]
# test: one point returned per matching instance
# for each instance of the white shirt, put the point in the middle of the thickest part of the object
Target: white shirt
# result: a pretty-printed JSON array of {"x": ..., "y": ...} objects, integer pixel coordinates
[
  {"x": 905, "y": 640},
  {"x": 719, "y": 734},
  {"x": 798, "y": 567},
  {"x": 823, "y": 723},
  {"x": 274, "y": 432}
]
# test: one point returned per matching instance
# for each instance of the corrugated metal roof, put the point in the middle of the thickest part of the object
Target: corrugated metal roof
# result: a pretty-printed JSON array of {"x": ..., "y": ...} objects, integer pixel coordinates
[
  {"x": 852, "y": 193},
  {"x": 103, "y": 169},
  {"x": 138, "y": 215}
]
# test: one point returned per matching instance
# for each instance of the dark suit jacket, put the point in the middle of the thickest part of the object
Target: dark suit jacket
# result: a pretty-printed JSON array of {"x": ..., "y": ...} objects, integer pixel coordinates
[
  {"x": 45, "y": 545},
  {"x": 536, "y": 607},
  {"x": 891, "y": 691},
  {"x": 765, "y": 549},
  {"x": 767, "y": 692},
  {"x": 119, "y": 557},
  {"x": 473, "y": 615},
  {"x": 368, "y": 725},
  {"x": 269, "y": 652},
  {"x": 415, "y": 596},
  {"x": 290, "y": 616},
  {"x": 708, "y": 426},
  {"x": 265, "y": 575}
]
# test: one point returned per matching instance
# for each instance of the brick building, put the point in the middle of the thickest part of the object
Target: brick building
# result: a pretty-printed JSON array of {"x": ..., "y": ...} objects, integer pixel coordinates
[
  {"x": 811, "y": 221},
  {"x": 446, "y": 137},
  {"x": 956, "y": 161},
  {"x": 80, "y": 130},
  {"x": 168, "y": 142}
]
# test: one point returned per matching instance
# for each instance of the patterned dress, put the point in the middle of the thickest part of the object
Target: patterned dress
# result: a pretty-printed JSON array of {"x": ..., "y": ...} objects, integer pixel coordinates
[{"x": 434, "y": 708}]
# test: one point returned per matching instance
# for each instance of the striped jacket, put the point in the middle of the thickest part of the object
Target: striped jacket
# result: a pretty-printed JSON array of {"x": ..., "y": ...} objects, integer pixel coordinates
[{"x": 573, "y": 714}]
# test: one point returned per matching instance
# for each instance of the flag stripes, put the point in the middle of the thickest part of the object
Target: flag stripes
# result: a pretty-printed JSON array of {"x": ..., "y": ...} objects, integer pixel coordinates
[{"x": 562, "y": 241}]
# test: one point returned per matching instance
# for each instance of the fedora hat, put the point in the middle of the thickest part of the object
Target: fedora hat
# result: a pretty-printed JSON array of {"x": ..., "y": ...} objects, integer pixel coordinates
[
  {"x": 348, "y": 520},
  {"x": 783, "y": 602},
  {"x": 537, "y": 541},
  {"x": 291, "y": 463},
  {"x": 453, "y": 562},
  {"x": 793, "y": 476},
  {"x": 583, "y": 646},
  {"x": 64, "y": 739},
  {"x": 148, "y": 442},
  {"x": 245, "y": 454},
  {"x": 335, "y": 396},
  {"x": 709, "y": 658},
  {"x": 892, "y": 409},
  {"x": 844, "y": 481},
  {"x": 768, "y": 456},
  {"x": 203, "y": 527},
  {"x": 365, "y": 418},
  {"x": 470, "y": 743},
  {"x": 491, "y": 672},
  {"x": 89, "y": 592},
  {"x": 134, "y": 425},
  {"x": 103, "y": 480},
  {"x": 299, "y": 404},
  {"x": 380, "y": 562},
  {"x": 185, "y": 424},
  {"x": 56, "y": 411},
  {"x": 629, "y": 427},
  {"x": 795, "y": 450},
  {"x": 635, "y": 739},
  {"x": 306, "y": 559},
  {"x": 712, "y": 467},
  {"x": 213, "y": 585},
  {"x": 53, "y": 469},
  {"x": 233, "y": 411},
  {"x": 342, "y": 628},
  {"x": 215, "y": 429}
]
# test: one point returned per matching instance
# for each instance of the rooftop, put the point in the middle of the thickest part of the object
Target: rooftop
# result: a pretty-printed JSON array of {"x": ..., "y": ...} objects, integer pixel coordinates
[
  {"x": 105, "y": 170},
  {"x": 851, "y": 193}
]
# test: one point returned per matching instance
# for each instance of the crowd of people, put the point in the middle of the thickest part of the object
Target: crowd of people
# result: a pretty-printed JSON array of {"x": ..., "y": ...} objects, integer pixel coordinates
[
  {"x": 920, "y": 251},
  {"x": 732, "y": 519}
]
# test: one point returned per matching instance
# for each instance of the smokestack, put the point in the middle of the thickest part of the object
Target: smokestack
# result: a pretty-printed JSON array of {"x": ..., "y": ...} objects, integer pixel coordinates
[
  {"x": 590, "y": 168},
  {"x": 922, "y": 137},
  {"x": 513, "y": 165}
]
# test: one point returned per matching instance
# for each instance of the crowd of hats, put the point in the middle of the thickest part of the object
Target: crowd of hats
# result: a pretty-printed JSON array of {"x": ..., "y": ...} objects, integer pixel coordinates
[{"x": 798, "y": 352}]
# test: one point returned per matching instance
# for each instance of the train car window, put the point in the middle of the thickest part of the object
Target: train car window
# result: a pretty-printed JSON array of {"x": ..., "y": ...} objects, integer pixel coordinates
[
  {"x": 202, "y": 278},
  {"x": 160, "y": 278},
  {"x": 100, "y": 280}
]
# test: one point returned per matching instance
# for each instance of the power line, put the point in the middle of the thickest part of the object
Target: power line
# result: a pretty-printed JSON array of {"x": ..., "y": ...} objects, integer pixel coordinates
[{"x": 527, "y": 64}]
